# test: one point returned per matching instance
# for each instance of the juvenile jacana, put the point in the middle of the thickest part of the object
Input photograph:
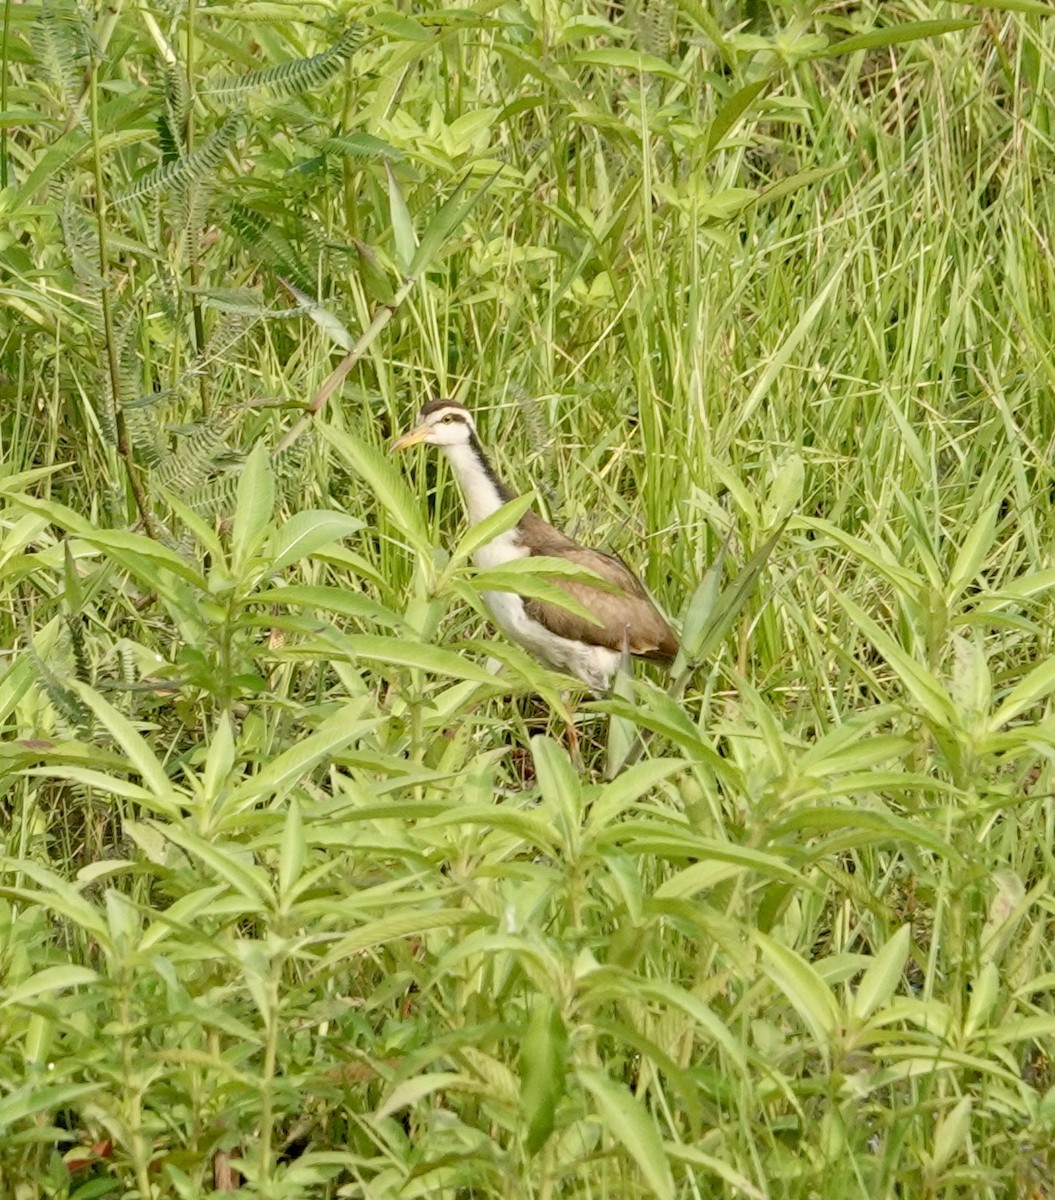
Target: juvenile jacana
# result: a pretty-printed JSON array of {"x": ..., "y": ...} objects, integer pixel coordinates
[{"x": 628, "y": 621}]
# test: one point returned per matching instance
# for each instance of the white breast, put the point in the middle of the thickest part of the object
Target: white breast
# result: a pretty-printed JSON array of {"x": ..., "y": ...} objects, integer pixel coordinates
[{"x": 594, "y": 665}]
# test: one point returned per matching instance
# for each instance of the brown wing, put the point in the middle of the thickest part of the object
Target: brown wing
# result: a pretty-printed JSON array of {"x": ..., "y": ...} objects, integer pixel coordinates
[{"x": 629, "y": 618}]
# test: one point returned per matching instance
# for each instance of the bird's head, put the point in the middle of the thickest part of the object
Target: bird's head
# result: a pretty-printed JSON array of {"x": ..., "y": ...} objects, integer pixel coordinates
[{"x": 440, "y": 423}]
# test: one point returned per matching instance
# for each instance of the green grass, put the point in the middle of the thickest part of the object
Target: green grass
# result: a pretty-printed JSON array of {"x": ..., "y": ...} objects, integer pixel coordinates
[{"x": 295, "y": 894}]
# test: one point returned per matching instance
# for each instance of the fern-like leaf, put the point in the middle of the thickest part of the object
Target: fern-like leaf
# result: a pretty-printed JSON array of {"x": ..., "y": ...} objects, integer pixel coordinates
[
  {"x": 196, "y": 457},
  {"x": 60, "y": 38},
  {"x": 168, "y": 142},
  {"x": 82, "y": 245},
  {"x": 360, "y": 145},
  {"x": 176, "y": 97},
  {"x": 190, "y": 168},
  {"x": 272, "y": 247},
  {"x": 82, "y": 667},
  {"x": 295, "y": 77},
  {"x": 657, "y": 26},
  {"x": 217, "y": 497},
  {"x": 72, "y": 715}
]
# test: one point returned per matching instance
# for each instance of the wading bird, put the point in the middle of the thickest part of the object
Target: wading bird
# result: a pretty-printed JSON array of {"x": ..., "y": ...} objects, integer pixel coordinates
[{"x": 627, "y": 621}]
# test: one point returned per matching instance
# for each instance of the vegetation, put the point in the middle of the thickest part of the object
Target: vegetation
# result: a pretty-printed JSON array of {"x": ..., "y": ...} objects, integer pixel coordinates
[{"x": 297, "y": 896}]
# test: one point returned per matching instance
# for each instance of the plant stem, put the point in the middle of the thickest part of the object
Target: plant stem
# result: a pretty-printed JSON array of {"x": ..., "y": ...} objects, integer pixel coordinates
[
  {"x": 124, "y": 442},
  {"x": 345, "y": 365},
  {"x": 194, "y": 265}
]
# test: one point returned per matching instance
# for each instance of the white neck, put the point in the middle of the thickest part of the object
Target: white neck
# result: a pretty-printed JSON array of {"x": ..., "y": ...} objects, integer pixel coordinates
[{"x": 480, "y": 489}]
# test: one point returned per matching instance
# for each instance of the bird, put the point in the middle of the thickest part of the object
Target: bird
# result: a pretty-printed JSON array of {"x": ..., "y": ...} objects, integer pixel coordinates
[{"x": 627, "y": 620}]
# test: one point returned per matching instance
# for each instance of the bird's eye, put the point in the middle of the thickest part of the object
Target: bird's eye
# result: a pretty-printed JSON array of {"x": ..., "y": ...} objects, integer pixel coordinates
[{"x": 449, "y": 419}]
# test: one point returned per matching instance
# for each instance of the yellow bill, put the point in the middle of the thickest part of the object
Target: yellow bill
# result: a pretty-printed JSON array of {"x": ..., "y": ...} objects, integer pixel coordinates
[{"x": 412, "y": 438}]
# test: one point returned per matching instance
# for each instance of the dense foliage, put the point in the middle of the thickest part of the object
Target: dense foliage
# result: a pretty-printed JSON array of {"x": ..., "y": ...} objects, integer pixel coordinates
[{"x": 297, "y": 896}]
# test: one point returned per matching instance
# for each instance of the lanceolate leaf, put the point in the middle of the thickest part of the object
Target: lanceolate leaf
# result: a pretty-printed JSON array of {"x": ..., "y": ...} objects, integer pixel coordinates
[
  {"x": 893, "y": 35},
  {"x": 406, "y": 239},
  {"x": 491, "y": 527},
  {"x": 543, "y": 1059},
  {"x": 307, "y": 532},
  {"x": 256, "y": 502},
  {"x": 452, "y": 213},
  {"x": 385, "y": 481},
  {"x": 629, "y": 1122}
]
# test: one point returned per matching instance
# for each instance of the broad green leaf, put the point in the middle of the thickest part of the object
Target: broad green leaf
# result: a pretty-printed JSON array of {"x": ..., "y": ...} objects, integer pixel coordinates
[
  {"x": 670, "y": 841},
  {"x": 540, "y": 564},
  {"x": 975, "y": 548},
  {"x": 219, "y": 760},
  {"x": 293, "y": 850},
  {"x": 863, "y": 826},
  {"x": 733, "y": 109},
  {"x": 620, "y": 986},
  {"x": 1037, "y": 686},
  {"x": 205, "y": 534},
  {"x": 534, "y": 830},
  {"x": 451, "y": 214},
  {"x": 74, "y": 594},
  {"x": 700, "y": 611},
  {"x": 624, "y": 737},
  {"x": 692, "y": 1157},
  {"x": 798, "y": 180},
  {"x": 140, "y": 754},
  {"x": 880, "y": 980},
  {"x": 628, "y": 60},
  {"x": 785, "y": 494},
  {"x": 971, "y": 686},
  {"x": 400, "y": 925},
  {"x": 893, "y": 35},
  {"x": 489, "y": 528},
  {"x": 225, "y": 863},
  {"x": 340, "y": 602},
  {"x": 616, "y": 796},
  {"x": 287, "y": 769},
  {"x": 330, "y": 324},
  {"x": 123, "y": 920},
  {"x": 406, "y": 240},
  {"x": 1023, "y": 587},
  {"x": 951, "y": 1134},
  {"x": 134, "y": 550},
  {"x": 253, "y": 509},
  {"x": 34, "y": 1098},
  {"x": 561, "y": 789},
  {"x": 809, "y": 995},
  {"x": 12, "y": 483},
  {"x": 715, "y": 622},
  {"x": 985, "y": 988},
  {"x": 1036, "y": 8},
  {"x": 630, "y": 1124},
  {"x": 180, "y": 918},
  {"x": 50, "y": 979},
  {"x": 920, "y": 684},
  {"x": 411, "y": 1091},
  {"x": 306, "y": 532},
  {"x": 543, "y": 1061},
  {"x": 420, "y": 656},
  {"x": 387, "y": 484},
  {"x": 375, "y": 279},
  {"x": 527, "y": 672},
  {"x": 106, "y": 785},
  {"x": 51, "y": 510},
  {"x": 532, "y": 585},
  {"x": 55, "y": 894}
]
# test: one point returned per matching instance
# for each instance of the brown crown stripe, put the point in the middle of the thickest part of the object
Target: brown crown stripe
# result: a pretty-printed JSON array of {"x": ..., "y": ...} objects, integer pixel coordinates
[{"x": 435, "y": 405}]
